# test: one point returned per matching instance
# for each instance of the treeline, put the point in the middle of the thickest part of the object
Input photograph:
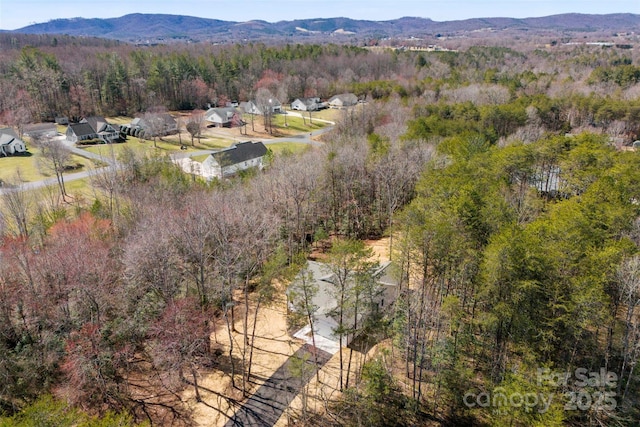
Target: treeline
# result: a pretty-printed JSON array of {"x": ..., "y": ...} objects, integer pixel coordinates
[
  {"x": 575, "y": 86},
  {"x": 519, "y": 260}
]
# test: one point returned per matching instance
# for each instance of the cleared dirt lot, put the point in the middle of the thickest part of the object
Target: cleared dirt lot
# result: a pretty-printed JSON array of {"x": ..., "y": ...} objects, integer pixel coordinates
[{"x": 274, "y": 346}]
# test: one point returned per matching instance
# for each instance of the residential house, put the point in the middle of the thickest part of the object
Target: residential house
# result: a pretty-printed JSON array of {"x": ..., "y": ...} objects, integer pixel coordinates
[
  {"x": 307, "y": 104},
  {"x": 167, "y": 125},
  {"x": 252, "y": 107},
  {"x": 343, "y": 100},
  {"x": 106, "y": 132},
  {"x": 223, "y": 117},
  {"x": 78, "y": 132},
  {"x": 224, "y": 163},
  {"x": 10, "y": 144},
  {"x": 40, "y": 130},
  {"x": 384, "y": 293}
]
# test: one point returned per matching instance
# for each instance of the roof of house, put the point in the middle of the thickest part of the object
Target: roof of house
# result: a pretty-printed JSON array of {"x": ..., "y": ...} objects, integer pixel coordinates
[
  {"x": 168, "y": 118},
  {"x": 222, "y": 112},
  {"x": 97, "y": 123},
  {"x": 385, "y": 275},
  {"x": 345, "y": 98},
  {"x": 248, "y": 106},
  {"x": 82, "y": 129},
  {"x": 240, "y": 152},
  {"x": 325, "y": 323},
  {"x": 7, "y": 135},
  {"x": 39, "y": 127},
  {"x": 308, "y": 101}
]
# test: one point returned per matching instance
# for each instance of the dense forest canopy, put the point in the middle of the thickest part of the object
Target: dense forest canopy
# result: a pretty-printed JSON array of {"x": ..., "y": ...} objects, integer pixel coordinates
[{"x": 502, "y": 176}]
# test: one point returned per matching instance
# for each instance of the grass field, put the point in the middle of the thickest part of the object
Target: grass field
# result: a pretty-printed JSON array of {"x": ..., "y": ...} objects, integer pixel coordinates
[
  {"x": 167, "y": 145},
  {"x": 294, "y": 124},
  {"x": 297, "y": 124},
  {"x": 288, "y": 147},
  {"x": 28, "y": 167}
]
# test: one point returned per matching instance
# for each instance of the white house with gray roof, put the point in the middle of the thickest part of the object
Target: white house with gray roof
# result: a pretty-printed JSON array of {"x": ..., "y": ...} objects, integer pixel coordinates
[
  {"x": 343, "y": 100},
  {"x": 384, "y": 293},
  {"x": 225, "y": 163},
  {"x": 10, "y": 144},
  {"x": 223, "y": 116},
  {"x": 307, "y": 104}
]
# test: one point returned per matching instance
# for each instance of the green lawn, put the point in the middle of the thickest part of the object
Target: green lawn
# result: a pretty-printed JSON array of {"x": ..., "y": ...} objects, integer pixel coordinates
[
  {"x": 120, "y": 120},
  {"x": 288, "y": 147},
  {"x": 206, "y": 142},
  {"x": 28, "y": 166},
  {"x": 331, "y": 114},
  {"x": 167, "y": 145},
  {"x": 80, "y": 190},
  {"x": 297, "y": 124}
]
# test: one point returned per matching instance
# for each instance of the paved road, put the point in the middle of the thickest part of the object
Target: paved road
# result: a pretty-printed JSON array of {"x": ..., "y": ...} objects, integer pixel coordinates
[
  {"x": 52, "y": 181},
  {"x": 268, "y": 403},
  {"x": 108, "y": 158}
]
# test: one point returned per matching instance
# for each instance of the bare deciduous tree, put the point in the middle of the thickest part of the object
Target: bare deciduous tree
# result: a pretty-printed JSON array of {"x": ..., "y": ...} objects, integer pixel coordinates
[
  {"x": 265, "y": 101},
  {"x": 15, "y": 206},
  {"x": 194, "y": 124},
  {"x": 154, "y": 124},
  {"x": 54, "y": 158},
  {"x": 628, "y": 276}
]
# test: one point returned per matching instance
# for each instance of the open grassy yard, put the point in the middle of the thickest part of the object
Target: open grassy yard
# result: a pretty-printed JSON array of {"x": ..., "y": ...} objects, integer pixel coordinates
[
  {"x": 29, "y": 170},
  {"x": 205, "y": 142},
  {"x": 294, "y": 124},
  {"x": 297, "y": 124},
  {"x": 281, "y": 148},
  {"x": 167, "y": 145},
  {"x": 331, "y": 114},
  {"x": 81, "y": 191}
]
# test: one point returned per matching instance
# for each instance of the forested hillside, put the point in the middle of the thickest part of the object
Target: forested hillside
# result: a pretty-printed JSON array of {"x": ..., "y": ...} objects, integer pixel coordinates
[{"x": 504, "y": 177}]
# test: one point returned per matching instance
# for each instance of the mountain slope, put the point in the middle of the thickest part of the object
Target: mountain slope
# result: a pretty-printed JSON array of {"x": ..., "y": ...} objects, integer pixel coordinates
[{"x": 137, "y": 27}]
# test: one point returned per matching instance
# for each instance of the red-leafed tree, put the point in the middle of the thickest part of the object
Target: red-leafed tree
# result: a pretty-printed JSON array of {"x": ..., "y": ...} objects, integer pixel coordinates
[
  {"x": 270, "y": 80},
  {"x": 92, "y": 368},
  {"x": 180, "y": 340}
]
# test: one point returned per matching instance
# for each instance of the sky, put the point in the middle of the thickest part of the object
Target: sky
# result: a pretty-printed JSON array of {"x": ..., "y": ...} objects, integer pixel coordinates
[{"x": 16, "y": 14}]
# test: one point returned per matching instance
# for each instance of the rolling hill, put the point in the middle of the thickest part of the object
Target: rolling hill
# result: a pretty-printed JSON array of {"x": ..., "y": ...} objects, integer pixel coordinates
[{"x": 147, "y": 28}]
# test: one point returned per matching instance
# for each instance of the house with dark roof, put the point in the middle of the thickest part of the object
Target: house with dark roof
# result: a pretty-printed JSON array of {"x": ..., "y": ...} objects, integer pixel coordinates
[
  {"x": 223, "y": 116},
  {"x": 78, "y": 132},
  {"x": 10, "y": 144},
  {"x": 106, "y": 132},
  {"x": 62, "y": 120},
  {"x": 166, "y": 125},
  {"x": 224, "y": 163},
  {"x": 40, "y": 130}
]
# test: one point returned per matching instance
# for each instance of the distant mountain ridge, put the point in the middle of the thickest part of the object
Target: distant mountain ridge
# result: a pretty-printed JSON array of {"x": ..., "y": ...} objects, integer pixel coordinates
[{"x": 140, "y": 27}]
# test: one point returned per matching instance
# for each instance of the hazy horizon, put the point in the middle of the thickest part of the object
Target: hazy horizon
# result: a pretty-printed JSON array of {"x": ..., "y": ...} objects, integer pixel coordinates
[{"x": 16, "y": 14}]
